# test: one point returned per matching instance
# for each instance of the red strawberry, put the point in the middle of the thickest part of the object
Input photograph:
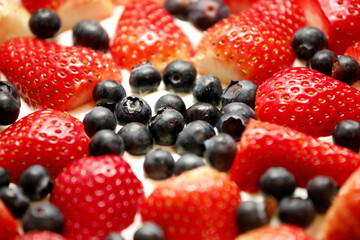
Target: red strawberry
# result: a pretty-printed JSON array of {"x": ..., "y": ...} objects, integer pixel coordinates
[
  {"x": 32, "y": 6},
  {"x": 52, "y": 76},
  {"x": 97, "y": 195},
  {"x": 146, "y": 31},
  {"x": 41, "y": 235},
  {"x": 47, "y": 137},
  {"x": 252, "y": 45},
  {"x": 338, "y": 19},
  {"x": 281, "y": 232},
  {"x": 264, "y": 145},
  {"x": 8, "y": 225},
  {"x": 354, "y": 51},
  {"x": 237, "y": 6},
  {"x": 306, "y": 100},
  {"x": 198, "y": 205}
]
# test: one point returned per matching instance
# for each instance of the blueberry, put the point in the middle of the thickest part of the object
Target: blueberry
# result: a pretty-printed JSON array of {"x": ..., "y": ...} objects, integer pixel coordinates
[
  {"x": 296, "y": 211},
  {"x": 97, "y": 119},
  {"x": 137, "y": 138},
  {"x": 240, "y": 91},
  {"x": 347, "y": 134},
  {"x": 144, "y": 78},
  {"x": 9, "y": 103},
  {"x": 8, "y": 87},
  {"x": 149, "y": 231},
  {"x": 322, "y": 61},
  {"x": 187, "y": 162},
  {"x": 114, "y": 236},
  {"x": 278, "y": 182},
  {"x": 208, "y": 89},
  {"x": 251, "y": 215},
  {"x": 44, "y": 23},
  {"x": 108, "y": 93},
  {"x": 158, "y": 164},
  {"x": 191, "y": 139},
  {"x": 307, "y": 41},
  {"x": 89, "y": 33},
  {"x": 4, "y": 177},
  {"x": 205, "y": 13},
  {"x": 322, "y": 191},
  {"x": 179, "y": 76},
  {"x": 15, "y": 200},
  {"x": 43, "y": 216},
  {"x": 132, "y": 109},
  {"x": 165, "y": 126},
  {"x": 170, "y": 101},
  {"x": 106, "y": 142},
  {"x": 220, "y": 151},
  {"x": 36, "y": 182},
  {"x": 201, "y": 111},
  {"x": 346, "y": 69},
  {"x": 233, "y": 118},
  {"x": 178, "y": 8}
]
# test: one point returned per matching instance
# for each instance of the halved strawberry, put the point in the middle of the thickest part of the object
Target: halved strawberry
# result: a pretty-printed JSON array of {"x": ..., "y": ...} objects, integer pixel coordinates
[
  {"x": 146, "y": 31},
  {"x": 48, "y": 75},
  {"x": 48, "y": 137},
  {"x": 306, "y": 100},
  {"x": 41, "y": 235},
  {"x": 8, "y": 225},
  {"x": 264, "y": 145},
  {"x": 354, "y": 51}
]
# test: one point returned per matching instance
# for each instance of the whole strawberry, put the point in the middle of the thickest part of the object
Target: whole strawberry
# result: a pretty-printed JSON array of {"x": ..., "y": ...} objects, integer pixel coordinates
[
  {"x": 8, "y": 225},
  {"x": 97, "y": 196},
  {"x": 41, "y": 235},
  {"x": 47, "y": 137},
  {"x": 48, "y": 75},
  {"x": 197, "y": 205}
]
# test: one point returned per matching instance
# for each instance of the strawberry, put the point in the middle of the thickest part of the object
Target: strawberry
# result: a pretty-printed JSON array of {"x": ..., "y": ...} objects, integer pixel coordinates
[
  {"x": 47, "y": 137},
  {"x": 252, "y": 45},
  {"x": 32, "y": 6},
  {"x": 198, "y": 204},
  {"x": 146, "y": 31},
  {"x": 338, "y": 19},
  {"x": 306, "y": 100},
  {"x": 97, "y": 195},
  {"x": 8, "y": 225},
  {"x": 41, "y": 235},
  {"x": 280, "y": 232},
  {"x": 354, "y": 51},
  {"x": 264, "y": 145},
  {"x": 237, "y": 6},
  {"x": 52, "y": 76}
]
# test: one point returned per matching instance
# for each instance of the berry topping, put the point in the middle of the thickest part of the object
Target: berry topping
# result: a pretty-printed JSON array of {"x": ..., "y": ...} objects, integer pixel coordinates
[
  {"x": 322, "y": 61},
  {"x": 105, "y": 142},
  {"x": 251, "y": 215},
  {"x": 208, "y": 89},
  {"x": 240, "y": 91},
  {"x": 15, "y": 200},
  {"x": 132, "y": 109},
  {"x": 149, "y": 231},
  {"x": 137, "y": 138},
  {"x": 201, "y": 111},
  {"x": 4, "y": 177},
  {"x": 108, "y": 93},
  {"x": 170, "y": 101},
  {"x": 346, "y": 69},
  {"x": 8, "y": 229},
  {"x": 296, "y": 211},
  {"x": 179, "y": 76},
  {"x": 347, "y": 134},
  {"x": 9, "y": 103},
  {"x": 187, "y": 162},
  {"x": 97, "y": 119},
  {"x": 158, "y": 164},
  {"x": 45, "y": 23},
  {"x": 144, "y": 78}
]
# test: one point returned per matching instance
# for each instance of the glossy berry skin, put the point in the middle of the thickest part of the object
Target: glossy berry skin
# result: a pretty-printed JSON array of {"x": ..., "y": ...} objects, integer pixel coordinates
[
  {"x": 178, "y": 8},
  {"x": 4, "y": 177},
  {"x": 43, "y": 216},
  {"x": 132, "y": 109},
  {"x": 179, "y": 76},
  {"x": 149, "y": 231},
  {"x": 208, "y": 89},
  {"x": 347, "y": 134},
  {"x": 41, "y": 235},
  {"x": 251, "y": 215},
  {"x": 97, "y": 119},
  {"x": 322, "y": 191},
  {"x": 9, "y": 225},
  {"x": 278, "y": 182},
  {"x": 171, "y": 101},
  {"x": 106, "y": 141},
  {"x": 9, "y": 103},
  {"x": 322, "y": 61},
  {"x": 108, "y": 93},
  {"x": 307, "y": 41},
  {"x": 137, "y": 138},
  {"x": 158, "y": 164},
  {"x": 201, "y": 111},
  {"x": 240, "y": 91},
  {"x": 90, "y": 34},
  {"x": 187, "y": 162},
  {"x": 144, "y": 78},
  {"x": 44, "y": 23},
  {"x": 114, "y": 236},
  {"x": 220, "y": 151},
  {"x": 36, "y": 182},
  {"x": 14, "y": 200},
  {"x": 346, "y": 69},
  {"x": 205, "y": 13},
  {"x": 296, "y": 211}
]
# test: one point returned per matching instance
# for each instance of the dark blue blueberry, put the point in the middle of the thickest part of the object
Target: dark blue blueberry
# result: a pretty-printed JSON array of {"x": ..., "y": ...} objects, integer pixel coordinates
[
  {"x": 346, "y": 69},
  {"x": 347, "y": 134},
  {"x": 36, "y": 182},
  {"x": 296, "y": 211},
  {"x": 278, "y": 182},
  {"x": 15, "y": 200},
  {"x": 220, "y": 151},
  {"x": 89, "y": 33},
  {"x": 106, "y": 142},
  {"x": 137, "y": 138},
  {"x": 149, "y": 231},
  {"x": 4, "y": 177},
  {"x": 132, "y": 109},
  {"x": 322, "y": 61},
  {"x": 97, "y": 119},
  {"x": 208, "y": 89},
  {"x": 307, "y": 41},
  {"x": 233, "y": 118},
  {"x": 43, "y": 216},
  {"x": 179, "y": 76},
  {"x": 178, "y": 8},
  {"x": 322, "y": 191},
  {"x": 8, "y": 87},
  {"x": 170, "y": 101},
  {"x": 44, "y": 23},
  {"x": 201, "y": 111},
  {"x": 191, "y": 139},
  {"x": 108, "y": 93},
  {"x": 240, "y": 91},
  {"x": 158, "y": 164},
  {"x": 251, "y": 215},
  {"x": 114, "y": 236},
  {"x": 9, "y": 103},
  {"x": 144, "y": 78},
  {"x": 187, "y": 162}
]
